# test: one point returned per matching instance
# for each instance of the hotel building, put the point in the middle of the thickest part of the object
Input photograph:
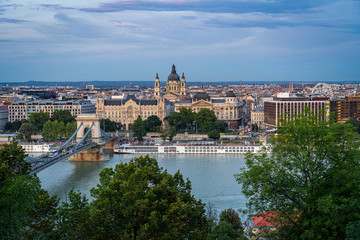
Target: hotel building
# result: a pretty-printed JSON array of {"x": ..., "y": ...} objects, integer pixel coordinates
[{"x": 20, "y": 110}]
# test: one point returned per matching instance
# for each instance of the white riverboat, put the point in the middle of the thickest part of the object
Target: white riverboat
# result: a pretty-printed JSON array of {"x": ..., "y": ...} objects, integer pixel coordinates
[
  {"x": 189, "y": 148},
  {"x": 38, "y": 147}
]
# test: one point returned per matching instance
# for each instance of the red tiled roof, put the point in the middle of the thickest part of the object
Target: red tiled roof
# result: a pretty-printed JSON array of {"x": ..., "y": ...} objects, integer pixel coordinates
[{"x": 264, "y": 219}]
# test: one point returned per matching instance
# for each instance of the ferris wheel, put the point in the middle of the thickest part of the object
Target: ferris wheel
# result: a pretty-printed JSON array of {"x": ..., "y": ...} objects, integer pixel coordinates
[{"x": 323, "y": 89}]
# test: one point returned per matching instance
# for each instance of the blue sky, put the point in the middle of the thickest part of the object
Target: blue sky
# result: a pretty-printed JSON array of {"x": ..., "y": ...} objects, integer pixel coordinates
[{"x": 243, "y": 40}]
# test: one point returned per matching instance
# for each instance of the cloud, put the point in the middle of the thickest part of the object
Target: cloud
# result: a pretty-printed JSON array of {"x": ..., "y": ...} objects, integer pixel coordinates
[
  {"x": 10, "y": 20},
  {"x": 227, "y": 6}
]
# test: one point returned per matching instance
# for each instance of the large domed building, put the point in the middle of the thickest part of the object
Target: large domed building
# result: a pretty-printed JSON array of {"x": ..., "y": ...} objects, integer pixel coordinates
[{"x": 175, "y": 88}]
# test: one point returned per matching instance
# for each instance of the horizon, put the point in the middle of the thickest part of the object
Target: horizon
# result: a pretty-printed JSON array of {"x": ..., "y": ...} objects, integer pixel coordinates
[{"x": 210, "y": 41}]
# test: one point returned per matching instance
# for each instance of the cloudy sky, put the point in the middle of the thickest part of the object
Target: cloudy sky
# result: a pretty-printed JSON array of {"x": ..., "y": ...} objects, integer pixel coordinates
[{"x": 209, "y": 40}]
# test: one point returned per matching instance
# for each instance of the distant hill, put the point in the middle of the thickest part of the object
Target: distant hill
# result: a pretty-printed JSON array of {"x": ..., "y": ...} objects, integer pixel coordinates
[{"x": 110, "y": 84}]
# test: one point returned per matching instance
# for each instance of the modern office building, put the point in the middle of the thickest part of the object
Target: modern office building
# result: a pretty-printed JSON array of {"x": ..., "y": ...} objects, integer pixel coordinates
[
  {"x": 20, "y": 110},
  {"x": 287, "y": 107},
  {"x": 3, "y": 116},
  {"x": 344, "y": 109}
]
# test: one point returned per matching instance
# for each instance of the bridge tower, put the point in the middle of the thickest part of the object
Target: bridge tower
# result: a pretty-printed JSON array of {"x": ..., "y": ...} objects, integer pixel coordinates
[{"x": 87, "y": 120}]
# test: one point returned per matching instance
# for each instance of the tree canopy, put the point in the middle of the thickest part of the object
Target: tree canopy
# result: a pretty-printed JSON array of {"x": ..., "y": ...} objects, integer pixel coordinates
[
  {"x": 311, "y": 179},
  {"x": 27, "y": 130},
  {"x": 152, "y": 124},
  {"x": 38, "y": 119},
  {"x": 138, "y": 128},
  {"x": 110, "y": 126},
  {"x": 140, "y": 200},
  {"x": 205, "y": 119},
  {"x": 63, "y": 116}
]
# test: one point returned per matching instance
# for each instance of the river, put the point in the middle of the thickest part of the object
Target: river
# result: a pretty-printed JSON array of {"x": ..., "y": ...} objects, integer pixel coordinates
[{"x": 212, "y": 176}]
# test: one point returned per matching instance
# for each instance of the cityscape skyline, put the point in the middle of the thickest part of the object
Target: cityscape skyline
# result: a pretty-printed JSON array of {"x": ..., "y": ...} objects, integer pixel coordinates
[{"x": 309, "y": 41}]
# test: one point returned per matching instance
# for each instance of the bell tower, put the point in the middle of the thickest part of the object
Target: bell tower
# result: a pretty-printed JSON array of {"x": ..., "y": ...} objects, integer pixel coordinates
[
  {"x": 157, "y": 86},
  {"x": 183, "y": 86}
]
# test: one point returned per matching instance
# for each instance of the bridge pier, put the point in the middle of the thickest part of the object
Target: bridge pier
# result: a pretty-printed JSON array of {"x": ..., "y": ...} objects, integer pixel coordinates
[
  {"x": 109, "y": 145},
  {"x": 89, "y": 155}
]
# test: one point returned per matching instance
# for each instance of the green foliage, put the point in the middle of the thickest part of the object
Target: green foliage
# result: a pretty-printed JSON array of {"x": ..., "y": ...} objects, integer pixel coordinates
[
  {"x": 38, "y": 119},
  {"x": 55, "y": 130},
  {"x": 355, "y": 124},
  {"x": 74, "y": 219},
  {"x": 139, "y": 200},
  {"x": 63, "y": 116},
  {"x": 13, "y": 126},
  {"x": 40, "y": 223},
  {"x": 172, "y": 133},
  {"x": 12, "y": 155},
  {"x": 27, "y": 130},
  {"x": 205, "y": 118},
  {"x": 138, "y": 128},
  {"x": 70, "y": 128},
  {"x": 220, "y": 126},
  {"x": 232, "y": 217},
  {"x": 312, "y": 179},
  {"x": 152, "y": 124},
  {"x": 18, "y": 194},
  {"x": 177, "y": 120},
  {"x": 214, "y": 134},
  {"x": 110, "y": 126},
  {"x": 225, "y": 231},
  {"x": 188, "y": 114}
]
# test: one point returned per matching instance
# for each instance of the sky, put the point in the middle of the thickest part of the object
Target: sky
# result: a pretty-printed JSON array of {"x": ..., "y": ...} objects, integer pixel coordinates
[{"x": 208, "y": 40}]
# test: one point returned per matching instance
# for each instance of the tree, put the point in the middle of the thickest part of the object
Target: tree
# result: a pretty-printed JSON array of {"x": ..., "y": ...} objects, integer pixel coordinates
[
  {"x": 214, "y": 134},
  {"x": 19, "y": 194},
  {"x": 177, "y": 120},
  {"x": 27, "y": 129},
  {"x": 225, "y": 231},
  {"x": 205, "y": 119},
  {"x": 172, "y": 133},
  {"x": 188, "y": 114},
  {"x": 138, "y": 128},
  {"x": 70, "y": 128},
  {"x": 140, "y": 200},
  {"x": 38, "y": 119},
  {"x": 311, "y": 179},
  {"x": 13, "y": 126},
  {"x": 152, "y": 123},
  {"x": 63, "y": 116},
  {"x": 232, "y": 217},
  {"x": 220, "y": 126},
  {"x": 110, "y": 126}
]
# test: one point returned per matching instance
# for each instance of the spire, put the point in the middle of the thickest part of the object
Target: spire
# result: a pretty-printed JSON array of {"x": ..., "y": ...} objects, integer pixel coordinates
[
  {"x": 173, "y": 69},
  {"x": 157, "y": 76},
  {"x": 183, "y": 76}
]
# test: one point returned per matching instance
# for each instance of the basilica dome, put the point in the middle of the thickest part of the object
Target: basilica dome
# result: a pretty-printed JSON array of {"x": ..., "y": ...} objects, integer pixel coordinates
[{"x": 173, "y": 75}]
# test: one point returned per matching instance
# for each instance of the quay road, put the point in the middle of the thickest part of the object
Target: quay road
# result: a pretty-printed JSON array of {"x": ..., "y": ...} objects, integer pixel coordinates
[{"x": 46, "y": 161}]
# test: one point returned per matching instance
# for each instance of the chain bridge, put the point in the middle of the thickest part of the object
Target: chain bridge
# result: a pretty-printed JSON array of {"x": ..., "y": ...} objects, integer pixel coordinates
[{"x": 84, "y": 145}]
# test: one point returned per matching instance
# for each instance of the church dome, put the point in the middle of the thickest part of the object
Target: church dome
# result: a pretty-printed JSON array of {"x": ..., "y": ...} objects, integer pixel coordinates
[
  {"x": 230, "y": 94},
  {"x": 173, "y": 75}
]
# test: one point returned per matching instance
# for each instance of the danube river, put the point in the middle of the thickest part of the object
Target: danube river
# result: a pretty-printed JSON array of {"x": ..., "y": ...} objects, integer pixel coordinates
[{"x": 212, "y": 176}]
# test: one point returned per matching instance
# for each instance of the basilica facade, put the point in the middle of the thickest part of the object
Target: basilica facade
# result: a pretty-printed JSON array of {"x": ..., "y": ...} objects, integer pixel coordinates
[{"x": 175, "y": 88}]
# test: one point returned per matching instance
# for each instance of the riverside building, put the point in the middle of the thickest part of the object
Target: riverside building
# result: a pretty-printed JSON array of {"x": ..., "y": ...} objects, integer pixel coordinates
[
  {"x": 20, "y": 110},
  {"x": 344, "y": 109},
  {"x": 127, "y": 110},
  {"x": 287, "y": 107},
  {"x": 228, "y": 109}
]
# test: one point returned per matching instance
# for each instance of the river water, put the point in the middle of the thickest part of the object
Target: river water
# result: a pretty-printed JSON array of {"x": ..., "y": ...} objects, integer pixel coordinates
[{"x": 212, "y": 176}]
